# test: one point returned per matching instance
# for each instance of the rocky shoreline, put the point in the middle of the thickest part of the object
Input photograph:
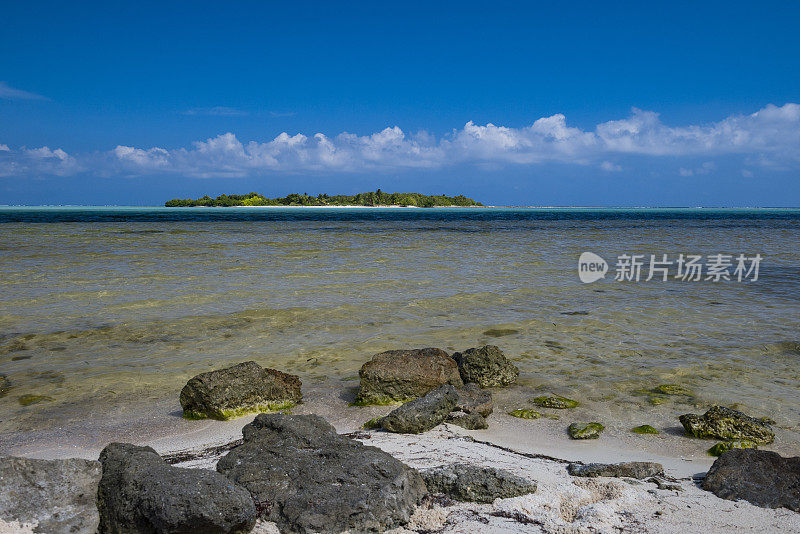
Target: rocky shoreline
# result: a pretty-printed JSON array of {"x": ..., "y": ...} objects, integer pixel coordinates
[{"x": 421, "y": 466}]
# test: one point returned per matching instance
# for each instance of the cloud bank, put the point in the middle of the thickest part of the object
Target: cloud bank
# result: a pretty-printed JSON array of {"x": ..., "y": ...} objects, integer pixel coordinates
[
  {"x": 10, "y": 93},
  {"x": 770, "y": 137}
]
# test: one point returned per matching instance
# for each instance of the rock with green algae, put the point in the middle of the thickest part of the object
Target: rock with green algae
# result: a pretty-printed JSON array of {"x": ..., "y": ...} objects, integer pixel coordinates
[
  {"x": 403, "y": 375},
  {"x": 554, "y": 401},
  {"x": 644, "y": 429},
  {"x": 525, "y": 413},
  {"x": 486, "y": 366},
  {"x": 28, "y": 400},
  {"x": 243, "y": 389},
  {"x": 585, "y": 430},
  {"x": 726, "y": 424},
  {"x": 726, "y": 446},
  {"x": 372, "y": 424}
]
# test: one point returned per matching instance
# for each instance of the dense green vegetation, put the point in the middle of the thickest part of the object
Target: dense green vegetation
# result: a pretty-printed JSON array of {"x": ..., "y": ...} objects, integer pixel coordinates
[{"x": 371, "y": 198}]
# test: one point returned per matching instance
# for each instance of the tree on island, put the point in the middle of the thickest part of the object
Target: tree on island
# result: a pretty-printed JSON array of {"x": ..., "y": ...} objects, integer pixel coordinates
[{"x": 370, "y": 198}]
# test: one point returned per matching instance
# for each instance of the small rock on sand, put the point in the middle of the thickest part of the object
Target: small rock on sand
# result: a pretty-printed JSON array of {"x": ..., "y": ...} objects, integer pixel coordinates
[
  {"x": 638, "y": 470},
  {"x": 423, "y": 413},
  {"x": 466, "y": 482}
]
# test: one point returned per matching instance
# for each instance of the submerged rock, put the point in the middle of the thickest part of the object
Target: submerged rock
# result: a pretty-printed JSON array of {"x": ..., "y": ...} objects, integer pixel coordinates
[
  {"x": 585, "y": 430},
  {"x": 672, "y": 389},
  {"x": 29, "y": 400},
  {"x": 402, "y": 375},
  {"x": 58, "y": 495},
  {"x": 525, "y": 413},
  {"x": 725, "y": 446},
  {"x": 763, "y": 478},
  {"x": 239, "y": 390},
  {"x": 486, "y": 366},
  {"x": 638, "y": 470},
  {"x": 554, "y": 401},
  {"x": 465, "y": 482},
  {"x": 500, "y": 332},
  {"x": 307, "y": 478},
  {"x": 140, "y": 493},
  {"x": 422, "y": 414},
  {"x": 726, "y": 424},
  {"x": 5, "y": 385},
  {"x": 473, "y": 399},
  {"x": 644, "y": 429},
  {"x": 470, "y": 421}
]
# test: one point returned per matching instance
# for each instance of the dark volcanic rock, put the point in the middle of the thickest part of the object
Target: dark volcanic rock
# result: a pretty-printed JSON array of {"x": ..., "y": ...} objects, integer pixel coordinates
[
  {"x": 423, "y": 413},
  {"x": 763, "y": 478},
  {"x": 473, "y": 399},
  {"x": 402, "y": 375},
  {"x": 486, "y": 366},
  {"x": 307, "y": 478},
  {"x": 727, "y": 424},
  {"x": 639, "y": 470},
  {"x": 239, "y": 390},
  {"x": 466, "y": 482},
  {"x": 470, "y": 421},
  {"x": 140, "y": 493},
  {"x": 59, "y": 495}
]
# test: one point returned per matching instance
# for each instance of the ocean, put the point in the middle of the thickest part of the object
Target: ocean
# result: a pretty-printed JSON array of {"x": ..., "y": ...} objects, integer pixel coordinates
[{"x": 105, "y": 311}]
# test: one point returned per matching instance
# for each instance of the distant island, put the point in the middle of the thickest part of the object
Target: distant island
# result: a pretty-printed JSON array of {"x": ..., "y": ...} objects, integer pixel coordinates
[{"x": 371, "y": 198}]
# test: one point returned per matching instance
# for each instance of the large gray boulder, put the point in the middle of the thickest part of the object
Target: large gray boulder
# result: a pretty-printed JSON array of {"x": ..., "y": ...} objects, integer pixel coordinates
[
  {"x": 307, "y": 478},
  {"x": 473, "y": 399},
  {"x": 763, "y": 478},
  {"x": 403, "y": 375},
  {"x": 486, "y": 366},
  {"x": 724, "y": 423},
  {"x": 638, "y": 470},
  {"x": 140, "y": 493},
  {"x": 239, "y": 390},
  {"x": 56, "y": 495},
  {"x": 465, "y": 482},
  {"x": 422, "y": 414}
]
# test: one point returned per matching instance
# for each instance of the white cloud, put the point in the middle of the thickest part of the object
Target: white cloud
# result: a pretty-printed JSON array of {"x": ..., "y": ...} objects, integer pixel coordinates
[
  {"x": 37, "y": 161},
  {"x": 218, "y": 111},
  {"x": 769, "y": 137},
  {"x": 10, "y": 93},
  {"x": 4, "y": 148}
]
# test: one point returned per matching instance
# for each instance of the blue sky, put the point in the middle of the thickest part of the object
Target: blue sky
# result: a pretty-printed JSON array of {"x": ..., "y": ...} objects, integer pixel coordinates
[{"x": 585, "y": 103}]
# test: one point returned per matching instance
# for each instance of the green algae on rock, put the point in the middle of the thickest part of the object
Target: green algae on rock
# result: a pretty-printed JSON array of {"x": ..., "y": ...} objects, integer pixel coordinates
[
  {"x": 644, "y": 429},
  {"x": 724, "y": 423},
  {"x": 240, "y": 390},
  {"x": 725, "y": 446},
  {"x": 585, "y": 430},
  {"x": 28, "y": 400},
  {"x": 554, "y": 401},
  {"x": 525, "y": 413},
  {"x": 372, "y": 424}
]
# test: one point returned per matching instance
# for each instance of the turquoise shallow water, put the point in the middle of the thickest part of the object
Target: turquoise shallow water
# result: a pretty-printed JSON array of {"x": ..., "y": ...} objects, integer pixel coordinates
[{"x": 105, "y": 310}]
